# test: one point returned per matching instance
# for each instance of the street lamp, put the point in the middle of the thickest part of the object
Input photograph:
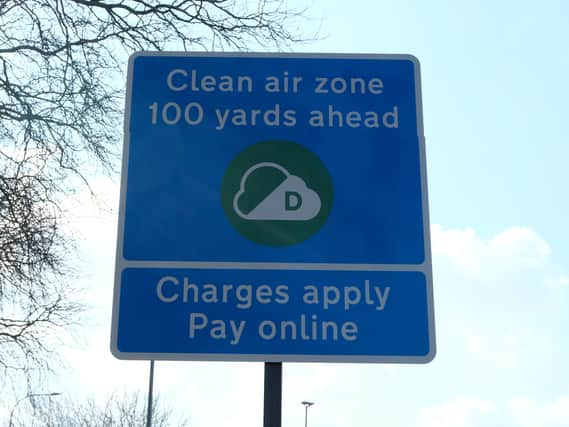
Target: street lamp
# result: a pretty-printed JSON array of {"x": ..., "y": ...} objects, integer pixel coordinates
[
  {"x": 28, "y": 396},
  {"x": 306, "y": 406}
]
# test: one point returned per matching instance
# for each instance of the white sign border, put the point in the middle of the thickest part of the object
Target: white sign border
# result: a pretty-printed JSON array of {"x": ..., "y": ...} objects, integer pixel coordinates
[{"x": 425, "y": 267}]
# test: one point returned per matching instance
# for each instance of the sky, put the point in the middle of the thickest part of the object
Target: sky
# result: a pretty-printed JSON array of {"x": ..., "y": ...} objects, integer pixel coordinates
[{"x": 495, "y": 109}]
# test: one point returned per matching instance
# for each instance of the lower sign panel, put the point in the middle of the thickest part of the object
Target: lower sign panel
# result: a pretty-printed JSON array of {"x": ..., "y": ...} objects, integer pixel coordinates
[{"x": 274, "y": 315}]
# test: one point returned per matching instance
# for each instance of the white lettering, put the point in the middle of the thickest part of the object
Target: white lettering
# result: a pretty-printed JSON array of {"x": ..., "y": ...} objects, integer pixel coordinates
[
  {"x": 272, "y": 329},
  {"x": 170, "y": 80},
  {"x": 391, "y": 118},
  {"x": 237, "y": 331},
  {"x": 331, "y": 296},
  {"x": 352, "y": 296},
  {"x": 321, "y": 81},
  {"x": 177, "y": 80},
  {"x": 188, "y": 113},
  {"x": 352, "y": 85},
  {"x": 382, "y": 297},
  {"x": 305, "y": 329},
  {"x": 349, "y": 331},
  {"x": 160, "y": 293},
  {"x": 171, "y": 106},
  {"x": 221, "y": 118},
  {"x": 217, "y": 328},
  {"x": 198, "y": 321}
]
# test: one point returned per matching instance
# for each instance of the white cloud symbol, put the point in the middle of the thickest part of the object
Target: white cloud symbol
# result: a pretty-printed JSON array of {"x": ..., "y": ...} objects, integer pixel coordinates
[{"x": 292, "y": 200}]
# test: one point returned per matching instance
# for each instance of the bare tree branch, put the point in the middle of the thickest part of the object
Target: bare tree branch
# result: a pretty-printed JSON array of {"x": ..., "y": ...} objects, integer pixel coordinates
[
  {"x": 126, "y": 410},
  {"x": 61, "y": 86}
]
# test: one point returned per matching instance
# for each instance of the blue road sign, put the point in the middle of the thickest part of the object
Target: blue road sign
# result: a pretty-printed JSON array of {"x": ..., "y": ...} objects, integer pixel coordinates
[{"x": 273, "y": 208}]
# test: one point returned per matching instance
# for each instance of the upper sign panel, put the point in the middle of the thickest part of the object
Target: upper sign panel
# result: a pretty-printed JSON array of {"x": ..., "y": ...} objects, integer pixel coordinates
[
  {"x": 274, "y": 208},
  {"x": 274, "y": 159}
]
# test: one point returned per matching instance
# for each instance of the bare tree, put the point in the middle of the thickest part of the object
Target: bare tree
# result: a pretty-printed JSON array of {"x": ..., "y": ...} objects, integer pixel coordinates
[
  {"x": 61, "y": 74},
  {"x": 127, "y": 410}
]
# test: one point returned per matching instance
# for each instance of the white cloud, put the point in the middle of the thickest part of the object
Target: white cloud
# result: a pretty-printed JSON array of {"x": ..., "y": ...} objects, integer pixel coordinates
[
  {"x": 509, "y": 274},
  {"x": 459, "y": 412},
  {"x": 497, "y": 298},
  {"x": 519, "y": 246},
  {"x": 512, "y": 249},
  {"x": 507, "y": 349},
  {"x": 462, "y": 247},
  {"x": 291, "y": 200},
  {"x": 530, "y": 413}
]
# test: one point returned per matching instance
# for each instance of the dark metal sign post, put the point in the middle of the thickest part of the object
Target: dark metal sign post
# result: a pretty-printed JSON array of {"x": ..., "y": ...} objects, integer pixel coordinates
[
  {"x": 150, "y": 398},
  {"x": 273, "y": 394}
]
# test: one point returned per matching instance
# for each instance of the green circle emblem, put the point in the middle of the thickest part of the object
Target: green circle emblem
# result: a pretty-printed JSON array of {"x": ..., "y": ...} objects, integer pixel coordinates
[{"x": 277, "y": 193}]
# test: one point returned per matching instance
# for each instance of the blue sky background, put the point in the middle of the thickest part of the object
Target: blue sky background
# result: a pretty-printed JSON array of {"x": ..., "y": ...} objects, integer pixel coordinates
[{"x": 495, "y": 91}]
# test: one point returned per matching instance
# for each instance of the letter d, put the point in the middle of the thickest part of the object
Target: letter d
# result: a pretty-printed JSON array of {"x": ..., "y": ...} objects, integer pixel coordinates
[
  {"x": 290, "y": 197},
  {"x": 391, "y": 119}
]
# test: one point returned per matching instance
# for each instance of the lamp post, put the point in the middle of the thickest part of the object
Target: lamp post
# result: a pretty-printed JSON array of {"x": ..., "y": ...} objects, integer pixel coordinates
[
  {"x": 28, "y": 396},
  {"x": 306, "y": 406}
]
